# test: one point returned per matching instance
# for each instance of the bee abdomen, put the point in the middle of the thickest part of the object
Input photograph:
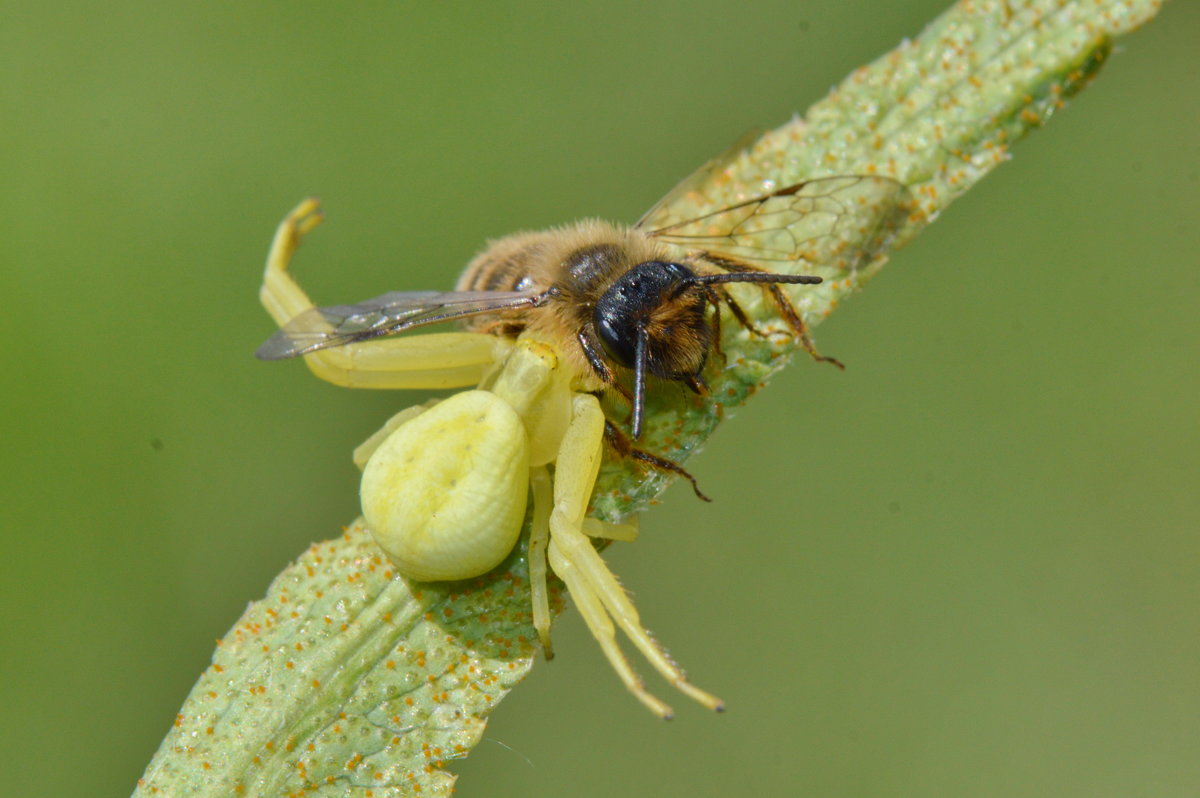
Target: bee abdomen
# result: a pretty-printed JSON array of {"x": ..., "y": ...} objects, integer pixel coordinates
[{"x": 504, "y": 266}]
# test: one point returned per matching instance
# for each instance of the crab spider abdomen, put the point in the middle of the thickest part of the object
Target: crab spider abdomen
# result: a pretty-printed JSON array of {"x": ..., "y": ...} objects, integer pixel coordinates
[{"x": 444, "y": 495}]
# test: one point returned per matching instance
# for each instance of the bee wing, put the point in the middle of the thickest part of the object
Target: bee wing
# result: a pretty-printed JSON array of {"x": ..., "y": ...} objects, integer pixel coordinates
[
  {"x": 321, "y": 328},
  {"x": 828, "y": 221},
  {"x": 701, "y": 178}
]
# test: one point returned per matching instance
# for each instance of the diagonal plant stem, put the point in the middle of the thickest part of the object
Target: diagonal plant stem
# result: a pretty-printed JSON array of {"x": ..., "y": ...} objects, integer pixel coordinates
[{"x": 345, "y": 680}]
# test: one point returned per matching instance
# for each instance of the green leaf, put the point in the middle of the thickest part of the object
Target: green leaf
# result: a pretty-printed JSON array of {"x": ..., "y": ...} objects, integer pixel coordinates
[{"x": 346, "y": 680}]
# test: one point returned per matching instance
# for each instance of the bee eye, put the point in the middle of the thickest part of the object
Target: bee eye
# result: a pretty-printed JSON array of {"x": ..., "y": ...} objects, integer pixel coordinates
[{"x": 617, "y": 331}]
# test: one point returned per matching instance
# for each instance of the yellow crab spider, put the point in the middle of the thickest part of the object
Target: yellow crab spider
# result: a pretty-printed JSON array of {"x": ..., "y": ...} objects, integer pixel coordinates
[
  {"x": 445, "y": 488},
  {"x": 439, "y": 360}
]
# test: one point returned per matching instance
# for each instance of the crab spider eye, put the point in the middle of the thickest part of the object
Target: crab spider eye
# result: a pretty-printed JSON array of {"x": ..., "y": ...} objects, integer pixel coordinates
[{"x": 444, "y": 496}]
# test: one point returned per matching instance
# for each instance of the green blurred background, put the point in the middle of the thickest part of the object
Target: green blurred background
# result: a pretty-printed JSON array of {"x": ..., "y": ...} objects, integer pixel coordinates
[{"x": 969, "y": 565}]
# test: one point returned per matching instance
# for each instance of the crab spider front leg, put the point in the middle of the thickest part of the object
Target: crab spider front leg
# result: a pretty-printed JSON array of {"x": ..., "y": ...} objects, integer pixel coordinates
[
  {"x": 440, "y": 360},
  {"x": 597, "y": 594}
]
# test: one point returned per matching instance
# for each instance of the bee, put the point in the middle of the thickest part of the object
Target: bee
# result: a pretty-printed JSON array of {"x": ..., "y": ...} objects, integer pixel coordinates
[
  {"x": 612, "y": 299},
  {"x": 553, "y": 320}
]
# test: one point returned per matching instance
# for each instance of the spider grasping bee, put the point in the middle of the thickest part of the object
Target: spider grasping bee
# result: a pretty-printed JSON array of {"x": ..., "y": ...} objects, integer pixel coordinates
[{"x": 556, "y": 319}]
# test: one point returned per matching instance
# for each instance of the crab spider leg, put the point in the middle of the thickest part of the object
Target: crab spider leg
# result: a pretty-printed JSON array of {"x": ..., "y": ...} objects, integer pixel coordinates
[
  {"x": 539, "y": 537},
  {"x": 591, "y": 583},
  {"x": 626, "y": 532},
  {"x": 439, "y": 360},
  {"x": 601, "y": 626},
  {"x": 599, "y": 582},
  {"x": 363, "y": 452},
  {"x": 578, "y": 462}
]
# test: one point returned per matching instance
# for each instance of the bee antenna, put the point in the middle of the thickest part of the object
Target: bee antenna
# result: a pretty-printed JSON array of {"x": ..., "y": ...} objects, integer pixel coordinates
[
  {"x": 755, "y": 277},
  {"x": 639, "y": 382}
]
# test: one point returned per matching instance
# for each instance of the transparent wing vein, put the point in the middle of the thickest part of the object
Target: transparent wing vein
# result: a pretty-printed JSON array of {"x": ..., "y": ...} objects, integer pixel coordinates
[
  {"x": 337, "y": 325},
  {"x": 832, "y": 221}
]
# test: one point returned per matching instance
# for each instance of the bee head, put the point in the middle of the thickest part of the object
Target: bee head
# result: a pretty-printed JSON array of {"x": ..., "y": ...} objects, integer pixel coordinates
[
  {"x": 652, "y": 320},
  {"x": 662, "y": 304}
]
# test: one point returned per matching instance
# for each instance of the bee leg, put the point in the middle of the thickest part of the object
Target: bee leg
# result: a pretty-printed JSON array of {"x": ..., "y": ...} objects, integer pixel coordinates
[
  {"x": 786, "y": 309},
  {"x": 623, "y": 446},
  {"x": 792, "y": 317},
  {"x": 600, "y": 598},
  {"x": 508, "y": 329},
  {"x": 740, "y": 314},
  {"x": 539, "y": 537},
  {"x": 441, "y": 360},
  {"x": 714, "y": 299},
  {"x": 717, "y": 295},
  {"x": 592, "y": 351}
]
